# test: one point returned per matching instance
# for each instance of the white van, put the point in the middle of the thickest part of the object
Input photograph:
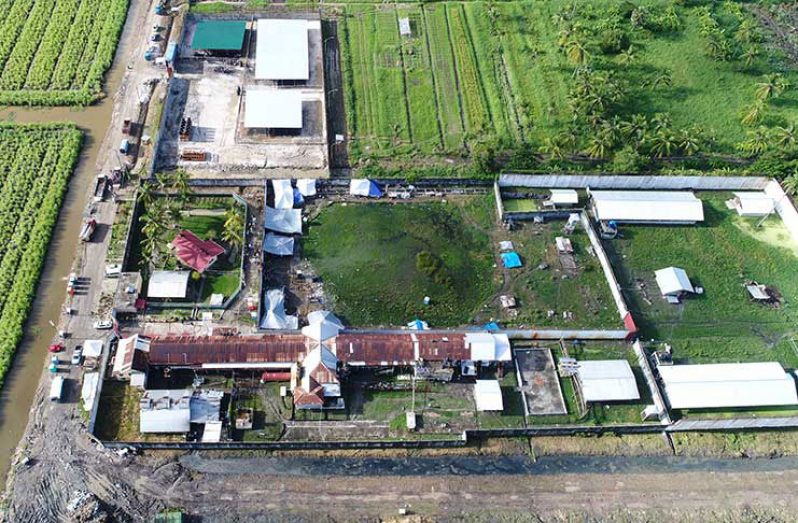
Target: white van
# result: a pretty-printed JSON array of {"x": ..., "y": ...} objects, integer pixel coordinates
[{"x": 56, "y": 388}]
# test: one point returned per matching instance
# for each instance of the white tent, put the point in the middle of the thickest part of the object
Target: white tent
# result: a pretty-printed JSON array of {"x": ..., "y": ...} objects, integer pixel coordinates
[
  {"x": 283, "y": 194},
  {"x": 753, "y": 203},
  {"x": 673, "y": 281},
  {"x": 364, "y": 187},
  {"x": 92, "y": 348},
  {"x": 287, "y": 221},
  {"x": 278, "y": 245},
  {"x": 607, "y": 380},
  {"x": 281, "y": 51},
  {"x": 675, "y": 207},
  {"x": 485, "y": 346},
  {"x": 488, "y": 395},
  {"x": 88, "y": 392},
  {"x": 212, "y": 432},
  {"x": 564, "y": 197},
  {"x": 728, "y": 385},
  {"x": 168, "y": 284},
  {"x": 320, "y": 331},
  {"x": 329, "y": 317},
  {"x": 306, "y": 186},
  {"x": 269, "y": 108},
  {"x": 274, "y": 316}
]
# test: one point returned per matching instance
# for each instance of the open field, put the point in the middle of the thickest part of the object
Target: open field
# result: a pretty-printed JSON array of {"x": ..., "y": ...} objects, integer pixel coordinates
[
  {"x": 55, "y": 52},
  {"x": 720, "y": 255},
  {"x": 475, "y": 77},
  {"x": 36, "y": 162}
]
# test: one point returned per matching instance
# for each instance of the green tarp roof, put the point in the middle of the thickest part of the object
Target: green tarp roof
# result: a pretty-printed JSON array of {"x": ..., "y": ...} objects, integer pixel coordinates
[{"x": 219, "y": 35}]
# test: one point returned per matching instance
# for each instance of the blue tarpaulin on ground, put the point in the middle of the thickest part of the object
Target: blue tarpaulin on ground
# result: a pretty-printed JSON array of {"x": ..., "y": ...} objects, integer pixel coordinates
[
  {"x": 374, "y": 190},
  {"x": 298, "y": 198},
  {"x": 492, "y": 326},
  {"x": 511, "y": 260},
  {"x": 419, "y": 325}
]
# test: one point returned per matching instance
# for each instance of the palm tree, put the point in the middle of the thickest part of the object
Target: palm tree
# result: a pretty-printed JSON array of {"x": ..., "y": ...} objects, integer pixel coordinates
[
  {"x": 145, "y": 193},
  {"x": 754, "y": 114},
  {"x": 162, "y": 181},
  {"x": 750, "y": 54},
  {"x": 745, "y": 33},
  {"x": 662, "y": 79},
  {"x": 627, "y": 57},
  {"x": 785, "y": 136},
  {"x": 664, "y": 143},
  {"x": 771, "y": 86},
  {"x": 180, "y": 183},
  {"x": 757, "y": 142},
  {"x": 232, "y": 232},
  {"x": 790, "y": 184},
  {"x": 576, "y": 52},
  {"x": 661, "y": 122},
  {"x": 690, "y": 141},
  {"x": 635, "y": 128},
  {"x": 553, "y": 148},
  {"x": 600, "y": 144}
]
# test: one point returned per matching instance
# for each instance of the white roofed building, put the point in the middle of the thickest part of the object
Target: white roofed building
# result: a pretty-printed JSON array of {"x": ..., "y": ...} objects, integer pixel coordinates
[
  {"x": 168, "y": 284},
  {"x": 563, "y": 198},
  {"x": 606, "y": 380},
  {"x": 665, "y": 207},
  {"x": 673, "y": 281},
  {"x": 270, "y": 108},
  {"x": 281, "y": 51},
  {"x": 485, "y": 346},
  {"x": 753, "y": 203},
  {"x": 488, "y": 395},
  {"x": 728, "y": 385}
]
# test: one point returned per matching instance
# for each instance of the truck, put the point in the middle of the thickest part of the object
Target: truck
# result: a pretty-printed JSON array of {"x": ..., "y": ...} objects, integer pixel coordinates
[
  {"x": 100, "y": 187},
  {"x": 56, "y": 388},
  {"x": 124, "y": 146},
  {"x": 87, "y": 230},
  {"x": 126, "y": 124}
]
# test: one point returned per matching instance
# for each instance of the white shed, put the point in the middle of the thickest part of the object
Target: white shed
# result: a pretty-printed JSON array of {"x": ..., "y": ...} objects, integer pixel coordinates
[
  {"x": 168, "y": 284},
  {"x": 488, "y": 395},
  {"x": 269, "y": 108},
  {"x": 673, "y": 281},
  {"x": 607, "y": 380},
  {"x": 728, "y": 385},
  {"x": 753, "y": 203},
  {"x": 563, "y": 197},
  {"x": 485, "y": 346},
  {"x": 281, "y": 51},
  {"x": 666, "y": 207}
]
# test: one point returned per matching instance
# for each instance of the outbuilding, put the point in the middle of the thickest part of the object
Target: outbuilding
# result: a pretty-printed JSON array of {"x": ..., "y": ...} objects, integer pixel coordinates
[
  {"x": 278, "y": 110},
  {"x": 286, "y": 221},
  {"x": 278, "y": 245},
  {"x": 753, "y": 203},
  {"x": 364, "y": 187},
  {"x": 488, "y": 347},
  {"x": 647, "y": 207},
  {"x": 281, "y": 50},
  {"x": 606, "y": 380},
  {"x": 728, "y": 385},
  {"x": 488, "y": 396},
  {"x": 219, "y": 37},
  {"x": 168, "y": 284},
  {"x": 673, "y": 281},
  {"x": 562, "y": 198}
]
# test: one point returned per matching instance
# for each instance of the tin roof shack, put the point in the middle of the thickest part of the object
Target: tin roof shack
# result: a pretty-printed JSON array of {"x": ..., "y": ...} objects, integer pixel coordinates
[
  {"x": 126, "y": 297},
  {"x": 165, "y": 412},
  {"x": 647, "y": 207},
  {"x": 606, "y": 380},
  {"x": 219, "y": 37},
  {"x": 281, "y": 51},
  {"x": 728, "y": 385},
  {"x": 562, "y": 198},
  {"x": 131, "y": 360},
  {"x": 194, "y": 252},
  {"x": 488, "y": 396},
  {"x": 752, "y": 204},
  {"x": 673, "y": 283},
  {"x": 168, "y": 284}
]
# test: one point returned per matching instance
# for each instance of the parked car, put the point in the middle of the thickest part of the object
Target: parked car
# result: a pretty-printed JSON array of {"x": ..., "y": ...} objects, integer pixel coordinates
[
  {"x": 54, "y": 362},
  {"x": 112, "y": 271},
  {"x": 102, "y": 325},
  {"x": 77, "y": 355},
  {"x": 56, "y": 347}
]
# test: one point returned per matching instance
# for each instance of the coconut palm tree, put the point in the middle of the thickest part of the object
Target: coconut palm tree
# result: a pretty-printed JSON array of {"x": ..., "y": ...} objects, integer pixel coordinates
[
  {"x": 790, "y": 184},
  {"x": 232, "y": 232},
  {"x": 145, "y": 193},
  {"x": 756, "y": 143},
  {"x": 690, "y": 141},
  {"x": 162, "y": 181},
  {"x": 754, "y": 114},
  {"x": 662, "y": 79},
  {"x": 785, "y": 137},
  {"x": 771, "y": 86},
  {"x": 627, "y": 57},
  {"x": 664, "y": 143},
  {"x": 746, "y": 32},
  {"x": 750, "y": 54},
  {"x": 635, "y": 128},
  {"x": 576, "y": 52},
  {"x": 600, "y": 144},
  {"x": 180, "y": 183},
  {"x": 553, "y": 148}
]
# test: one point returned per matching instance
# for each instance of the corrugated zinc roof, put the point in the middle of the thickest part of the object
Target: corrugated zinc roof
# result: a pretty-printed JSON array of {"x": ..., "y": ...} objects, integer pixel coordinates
[{"x": 219, "y": 35}]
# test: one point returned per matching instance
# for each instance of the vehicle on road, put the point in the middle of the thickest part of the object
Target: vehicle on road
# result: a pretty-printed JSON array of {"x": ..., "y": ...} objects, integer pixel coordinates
[
  {"x": 57, "y": 388},
  {"x": 102, "y": 325},
  {"x": 112, "y": 271},
  {"x": 54, "y": 362},
  {"x": 124, "y": 146},
  {"x": 77, "y": 355},
  {"x": 87, "y": 230},
  {"x": 56, "y": 347}
]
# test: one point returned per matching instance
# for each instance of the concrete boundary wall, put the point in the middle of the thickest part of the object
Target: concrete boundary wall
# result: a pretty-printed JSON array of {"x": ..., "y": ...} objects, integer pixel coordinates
[
  {"x": 784, "y": 207},
  {"x": 609, "y": 274},
  {"x": 618, "y": 182},
  {"x": 651, "y": 380},
  {"x": 499, "y": 204}
]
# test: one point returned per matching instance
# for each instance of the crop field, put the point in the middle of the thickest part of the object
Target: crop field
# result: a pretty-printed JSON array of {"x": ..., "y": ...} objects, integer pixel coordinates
[
  {"x": 55, "y": 52},
  {"x": 36, "y": 162},
  {"x": 655, "y": 80},
  {"x": 721, "y": 255}
]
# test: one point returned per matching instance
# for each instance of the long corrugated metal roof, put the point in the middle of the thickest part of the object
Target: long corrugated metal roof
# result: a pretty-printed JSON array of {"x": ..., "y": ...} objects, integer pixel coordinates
[
  {"x": 281, "y": 51},
  {"x": 219, "y": 35},
  {"x": 647, "y": 206}
]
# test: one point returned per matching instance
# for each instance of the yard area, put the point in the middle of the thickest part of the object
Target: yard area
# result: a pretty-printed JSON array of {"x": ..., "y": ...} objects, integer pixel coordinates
[
  {"x": 720, "y": 255},
  {"x": 472, "y": 75},
  {"x": 217, "y": 218},
  {"x": 118, "y": 415}
]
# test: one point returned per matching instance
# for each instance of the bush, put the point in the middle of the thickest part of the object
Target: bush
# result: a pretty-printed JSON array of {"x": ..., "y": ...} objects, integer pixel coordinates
[
  {"x": 433, "y": 267},
  {"x": 628, "y": 160}
]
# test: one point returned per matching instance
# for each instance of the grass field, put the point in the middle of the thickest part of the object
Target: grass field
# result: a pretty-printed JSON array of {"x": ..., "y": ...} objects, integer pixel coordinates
[
  {"x": 55, "y": 52},
  {"x": 720, "y": 255},
  {"x": 36, "y": 163},
  {"x": 368, "y": 254},
  {"x": 495, "y": 73}
]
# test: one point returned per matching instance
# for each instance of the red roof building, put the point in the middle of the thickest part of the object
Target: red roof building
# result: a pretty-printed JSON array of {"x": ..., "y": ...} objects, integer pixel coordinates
[{"x": 194, "y": 252}]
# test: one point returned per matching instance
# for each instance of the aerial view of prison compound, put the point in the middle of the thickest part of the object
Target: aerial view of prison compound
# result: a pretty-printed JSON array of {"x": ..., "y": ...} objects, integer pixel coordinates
[{"x": 435, "y": 231}]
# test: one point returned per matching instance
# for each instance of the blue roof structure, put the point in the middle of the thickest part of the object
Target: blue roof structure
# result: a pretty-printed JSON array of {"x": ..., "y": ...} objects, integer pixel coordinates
[{"x": 511, "y": 260}]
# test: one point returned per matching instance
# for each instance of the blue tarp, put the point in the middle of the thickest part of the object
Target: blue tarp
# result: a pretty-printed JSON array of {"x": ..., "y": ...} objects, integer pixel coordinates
[
  {"x": 418, "y": 325},
  {"x": 298, "y": 198},
  {"x": 511, "y": 260},
  {"x": 492, "y": 326},
  {"x": 374, "y": 190}
]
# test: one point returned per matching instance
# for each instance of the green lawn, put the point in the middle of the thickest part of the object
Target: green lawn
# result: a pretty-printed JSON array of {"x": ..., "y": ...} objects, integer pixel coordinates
[
  {"x": 720, "y": 255},
  {"x": 367, "y": 256}
]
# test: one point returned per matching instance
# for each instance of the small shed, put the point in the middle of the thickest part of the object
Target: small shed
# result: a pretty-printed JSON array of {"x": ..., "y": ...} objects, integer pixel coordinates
[
  {"x": 488, "y": 395},
  {"x": 283, "y": 194},
  {"x": 212, "y": 432},
  {"x": 607, "y": 380},
  {"x": 753, "y": 203},
  {"x": 506, "y": 245},
  {"x": 404, "y": 27},
  {"x": 563, "y": 198},
  {"x": 488, "y": 347},
  {"x": 758, "y": 292},
  {"x": 168, "y": 284},
  {"x": 92, "y": 349},
  {"x": 673, "y": 281}
]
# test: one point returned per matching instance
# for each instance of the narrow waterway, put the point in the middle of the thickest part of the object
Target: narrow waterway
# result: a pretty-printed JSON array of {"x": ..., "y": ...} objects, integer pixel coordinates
[{"x": 22, "y": 380}]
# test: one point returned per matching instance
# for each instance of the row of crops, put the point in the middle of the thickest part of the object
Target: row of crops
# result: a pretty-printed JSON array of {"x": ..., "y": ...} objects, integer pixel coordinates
[
  {"x": 55, "y": 52},
  {"x": 465, "y": 74},
  {"x": 36, "y": 162}
]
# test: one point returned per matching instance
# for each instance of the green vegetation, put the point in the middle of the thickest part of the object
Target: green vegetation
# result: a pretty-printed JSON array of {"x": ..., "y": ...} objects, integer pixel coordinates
[
  {"x": 720, "y": 255},
  {"x": 379, "y": 261},
  {"x": 36, "y": 162},
  {"x": 655, "y": 84},
  {"x": 55, "y": 52}
]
